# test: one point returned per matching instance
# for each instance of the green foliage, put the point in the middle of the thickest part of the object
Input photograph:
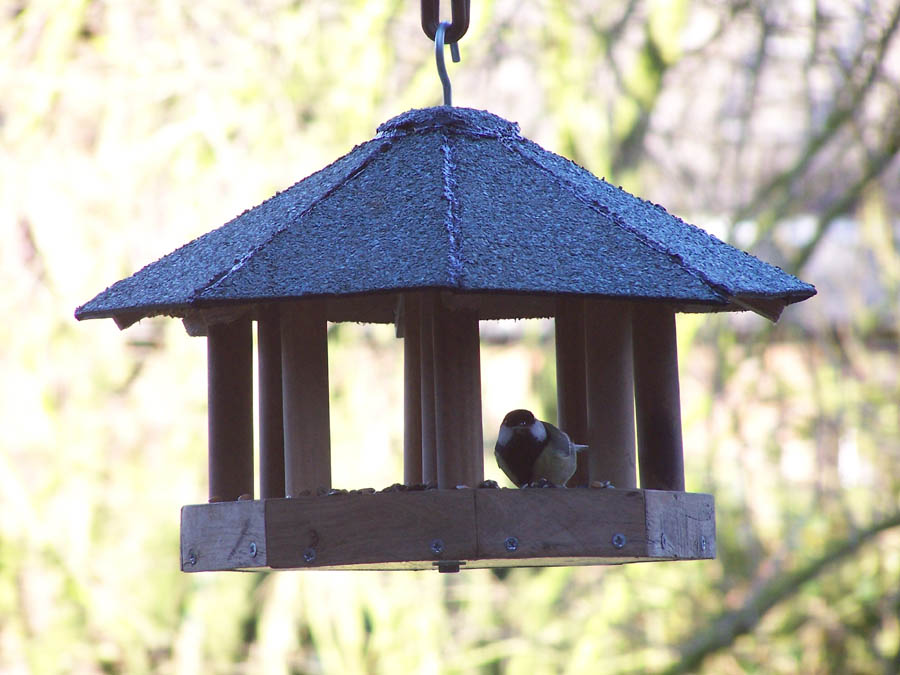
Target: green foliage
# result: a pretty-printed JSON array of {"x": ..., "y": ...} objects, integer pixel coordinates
[{"x": 128, "y": 128}]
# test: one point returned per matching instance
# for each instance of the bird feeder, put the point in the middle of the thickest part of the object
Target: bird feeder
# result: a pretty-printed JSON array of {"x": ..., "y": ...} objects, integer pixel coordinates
[{"x": 447, "y": 217}]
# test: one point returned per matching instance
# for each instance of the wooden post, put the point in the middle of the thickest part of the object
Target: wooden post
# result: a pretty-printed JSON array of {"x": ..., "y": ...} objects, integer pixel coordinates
[
  {"x": 570, "y": 378},
  {"x": 657, "y": 398},
  {"x": 271, "y": 418},
  {"x": 412, "y": 389},
  {"x": 457, "y": 380},
  {"x": 304, "y": 362},
  {"x": 610, "y": 392},
  {"x": 426, "y": 337},
  {"x": 229, "y": 348}
]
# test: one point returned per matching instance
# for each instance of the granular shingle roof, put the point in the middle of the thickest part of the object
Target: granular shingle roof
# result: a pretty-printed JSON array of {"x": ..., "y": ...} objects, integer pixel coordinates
[{"x": 456, "y": 199}]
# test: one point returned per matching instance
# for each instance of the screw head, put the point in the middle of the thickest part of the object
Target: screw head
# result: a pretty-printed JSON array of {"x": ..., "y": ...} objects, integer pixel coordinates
[
  {"x": 309, "y": 554},
  {"x": 192, "y": 558},
  {"x": 511, "y": 544},
  {"x": 437, "y": 546},
  {"x": 703, "y": 543},
  {"x": 618, "y": 540},
  {"x": 253, "y": 549}
]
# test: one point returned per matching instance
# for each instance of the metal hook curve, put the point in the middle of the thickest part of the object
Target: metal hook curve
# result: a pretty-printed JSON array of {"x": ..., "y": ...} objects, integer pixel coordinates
[
  {"x": 439, "y": 57},
  {"x": 460, "y": 12}
]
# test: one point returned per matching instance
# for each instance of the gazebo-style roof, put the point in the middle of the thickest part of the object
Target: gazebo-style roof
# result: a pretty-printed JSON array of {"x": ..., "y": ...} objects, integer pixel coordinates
[
  {"x": 447, "y": 217},
  {"x": 456, "y": 199}
]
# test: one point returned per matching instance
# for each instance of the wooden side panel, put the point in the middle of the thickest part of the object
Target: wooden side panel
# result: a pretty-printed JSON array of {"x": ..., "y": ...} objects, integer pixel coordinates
[
  {"x": 657, "y": 398},
  {"x": 457, "y": 398},
  {"x": 304, "y": 364},
  {"x": 359, "y": 529},
  {"x": 544, "y": 523},
  {"x": 223, "y": 536},
  {"x": 412, "y": 389},
  {"x": 680, "y": 525},
  {"x": 426, "y": 354},
  {"x": 570, "y": 378},
  {"x": 230, "y": 384},
  {"x": 271, "y": 415},
  {"x": 610, "y": 392}
]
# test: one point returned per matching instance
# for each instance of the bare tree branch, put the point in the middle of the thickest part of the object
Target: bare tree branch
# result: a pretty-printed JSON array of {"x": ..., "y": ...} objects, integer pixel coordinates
[
  {"x": 778, "y": 189},
  {"x": 850, "y": 196},
  {"x": 726, "y": 627}
]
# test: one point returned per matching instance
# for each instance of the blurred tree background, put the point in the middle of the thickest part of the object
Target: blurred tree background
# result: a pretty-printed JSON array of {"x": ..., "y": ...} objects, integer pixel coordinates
[{"x": 127, "y": 129}]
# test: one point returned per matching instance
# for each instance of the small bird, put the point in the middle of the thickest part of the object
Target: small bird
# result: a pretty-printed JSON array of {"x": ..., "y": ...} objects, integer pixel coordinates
[{"x": 528, "y": 450}]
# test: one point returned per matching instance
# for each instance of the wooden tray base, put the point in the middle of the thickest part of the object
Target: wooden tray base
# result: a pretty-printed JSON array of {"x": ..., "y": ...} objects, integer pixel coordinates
[{"x": 449, "y": 530}]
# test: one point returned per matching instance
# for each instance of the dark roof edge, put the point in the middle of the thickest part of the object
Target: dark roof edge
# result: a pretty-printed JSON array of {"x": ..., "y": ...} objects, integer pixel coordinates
[
  {"x": 127, "y": 316},
  {"x": 769, "y": 306}
]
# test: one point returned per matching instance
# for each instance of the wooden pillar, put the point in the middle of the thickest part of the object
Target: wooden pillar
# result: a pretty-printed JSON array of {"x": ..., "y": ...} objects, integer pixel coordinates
[
  {"x": 657, "y": 398},
  {"x": 457, "y": 386},
  {"x": 271, "y": 418},
  {"x": 426, "y": 342},
  {"x": 229, "y": 348},
  {"x": 412, "y": 389},
  {"x": 570, "y": 378},
  {"x": 304, "y": 363},
  {"x": 610, "y": 392}
]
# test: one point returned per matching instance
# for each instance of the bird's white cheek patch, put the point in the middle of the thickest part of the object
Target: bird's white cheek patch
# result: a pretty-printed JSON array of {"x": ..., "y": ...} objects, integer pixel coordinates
[
  {"x": 505, "y": 435},
  {"x": 540, "y": 433}
]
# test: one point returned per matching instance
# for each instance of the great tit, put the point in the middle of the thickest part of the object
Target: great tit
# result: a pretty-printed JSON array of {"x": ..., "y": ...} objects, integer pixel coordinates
[{"x": 528, "y": 450}]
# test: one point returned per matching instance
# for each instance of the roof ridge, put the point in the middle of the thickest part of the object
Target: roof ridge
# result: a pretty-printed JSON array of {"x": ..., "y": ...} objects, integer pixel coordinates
[
  {"x": 217, "y": 279},
  {"x": 451, "y": 221},
  {"x": 616, "y": 220}
]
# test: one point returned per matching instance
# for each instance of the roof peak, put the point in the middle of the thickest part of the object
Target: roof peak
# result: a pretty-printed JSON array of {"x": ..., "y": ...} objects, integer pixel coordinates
[{"x": 452, "y": 119}]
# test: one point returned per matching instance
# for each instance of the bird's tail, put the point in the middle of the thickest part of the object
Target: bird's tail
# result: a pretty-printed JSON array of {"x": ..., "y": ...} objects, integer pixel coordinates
[{"x": 579, "y": 448}]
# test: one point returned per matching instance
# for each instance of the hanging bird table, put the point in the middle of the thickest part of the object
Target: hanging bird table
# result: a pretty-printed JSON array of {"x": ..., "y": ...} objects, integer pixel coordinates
[{"x": 447, "y": 217}]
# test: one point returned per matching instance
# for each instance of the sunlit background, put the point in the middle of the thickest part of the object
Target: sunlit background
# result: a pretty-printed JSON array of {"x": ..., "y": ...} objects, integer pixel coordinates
[{"x": 129, "y": 128}]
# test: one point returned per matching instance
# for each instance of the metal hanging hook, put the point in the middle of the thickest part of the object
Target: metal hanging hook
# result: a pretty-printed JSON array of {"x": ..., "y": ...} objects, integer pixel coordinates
[
  {"x": 439, "y": 57},
  {"x": 459, "y": 13}
]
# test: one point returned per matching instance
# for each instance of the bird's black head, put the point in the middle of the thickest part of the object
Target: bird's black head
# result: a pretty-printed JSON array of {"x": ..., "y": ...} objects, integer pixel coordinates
[{"x": 518, "y": 418}]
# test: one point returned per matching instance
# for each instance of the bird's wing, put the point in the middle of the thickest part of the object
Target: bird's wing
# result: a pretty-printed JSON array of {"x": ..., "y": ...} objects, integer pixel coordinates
[
  {"x": 560, "y": 439},
  {"x": 557, "y": 462}
]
